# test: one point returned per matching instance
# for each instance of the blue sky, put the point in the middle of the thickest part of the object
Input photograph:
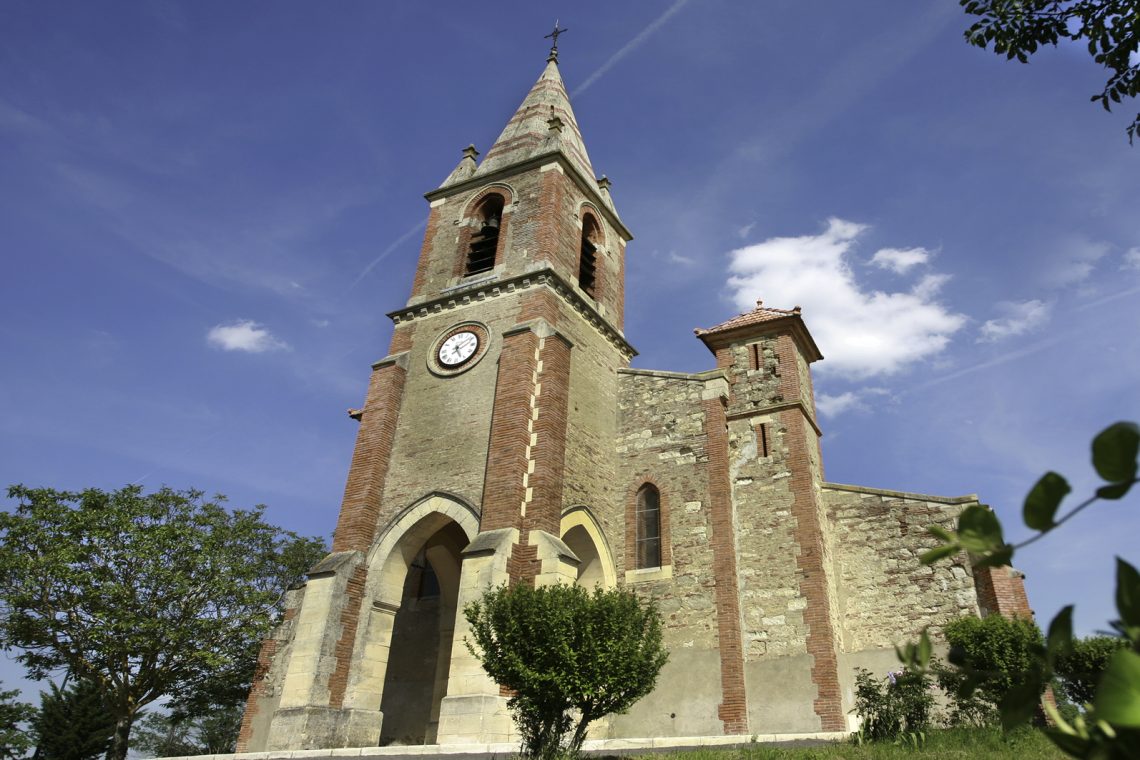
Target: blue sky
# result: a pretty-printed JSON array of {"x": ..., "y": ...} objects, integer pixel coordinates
[{"x": 207, "y": 208}]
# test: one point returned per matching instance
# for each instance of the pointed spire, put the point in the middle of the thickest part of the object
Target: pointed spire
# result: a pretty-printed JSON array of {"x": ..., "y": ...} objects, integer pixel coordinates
[
  {"x": 530, "y": 128},
  {"x": 465, "y": 168}
]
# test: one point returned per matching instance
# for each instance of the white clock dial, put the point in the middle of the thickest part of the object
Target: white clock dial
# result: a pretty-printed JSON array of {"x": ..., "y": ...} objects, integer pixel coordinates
[{"x": 458, "y": 348}]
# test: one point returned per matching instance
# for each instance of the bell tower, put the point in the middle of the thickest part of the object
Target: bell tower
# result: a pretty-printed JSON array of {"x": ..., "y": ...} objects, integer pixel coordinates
[{"x": 493, "y": 413}]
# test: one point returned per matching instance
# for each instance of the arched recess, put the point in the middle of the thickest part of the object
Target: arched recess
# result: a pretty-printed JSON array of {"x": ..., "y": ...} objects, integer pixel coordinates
[
  {"x": 412, "y": 592},
  {"x": 584, "y": 536}
]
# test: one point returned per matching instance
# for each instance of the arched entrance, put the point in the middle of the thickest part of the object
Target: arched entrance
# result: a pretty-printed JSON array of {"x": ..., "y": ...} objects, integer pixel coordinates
[
  {"x": 420, "y": 652},
  {"x": 413, "y": 585},
  {"x": 581, "y": 532}
]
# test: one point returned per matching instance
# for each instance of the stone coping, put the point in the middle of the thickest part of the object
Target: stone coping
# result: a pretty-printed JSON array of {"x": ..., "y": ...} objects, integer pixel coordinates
[
  {"x": 592, "y": 746},
  {"x": 969, "y": 498},
  {"x": 668, "y": 374}
]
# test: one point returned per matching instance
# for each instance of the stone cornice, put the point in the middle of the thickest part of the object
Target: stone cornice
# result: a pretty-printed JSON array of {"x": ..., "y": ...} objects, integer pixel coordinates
[
  {"x": 792, "y": 325},
  {"x": 970, "y": 498},
  {"x": 493, "y": 288},
  {"x": 588, "y": 185},
  {"x": 697, "y": 377},
  {"x": 773, "y": 408}
]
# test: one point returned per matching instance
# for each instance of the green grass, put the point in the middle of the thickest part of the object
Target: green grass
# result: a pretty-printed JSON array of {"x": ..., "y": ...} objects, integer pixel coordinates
[{"x": 1025, "y": 744}]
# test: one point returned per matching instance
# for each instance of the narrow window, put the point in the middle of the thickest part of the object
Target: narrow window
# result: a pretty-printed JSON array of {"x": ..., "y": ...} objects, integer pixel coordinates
[
  {"x": 754, "y": 354},
  {"x": 648, "y": 527},
  {"x": 763, "y": 439},
  {"x": 485, "y": 241},
  {"x": 588, "y": 260}
]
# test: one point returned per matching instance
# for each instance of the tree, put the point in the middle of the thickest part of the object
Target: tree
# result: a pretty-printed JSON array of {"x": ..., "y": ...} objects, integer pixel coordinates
[
  {"x": 169, "y": 735},
  {"x": 1080, "y": 670},
  {"x": 147, "y": 595},
  {"x": 73, "y": 723},
  {"x": 562, "y": 650},
  {"x": 1111, "y": 29},
  {"x": 14, "y": 740}
]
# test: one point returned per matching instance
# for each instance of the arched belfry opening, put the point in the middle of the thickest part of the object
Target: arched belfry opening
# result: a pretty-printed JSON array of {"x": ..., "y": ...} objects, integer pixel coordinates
[
  {"x": 417, "y": 597},
  {"x": 588, "y": 255},
  {"x": 485, "y": 239},
  {"x": 581, "y": 532}
]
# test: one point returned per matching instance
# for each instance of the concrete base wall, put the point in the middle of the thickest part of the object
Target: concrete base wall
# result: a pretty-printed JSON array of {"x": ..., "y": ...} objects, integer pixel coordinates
[
  {"x": 780, "y": 695},
  {"x": 684, "y": 702}
]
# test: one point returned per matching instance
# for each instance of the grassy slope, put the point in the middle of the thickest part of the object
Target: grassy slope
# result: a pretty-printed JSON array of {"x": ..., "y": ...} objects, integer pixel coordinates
[{"x": 955, "y": 743}]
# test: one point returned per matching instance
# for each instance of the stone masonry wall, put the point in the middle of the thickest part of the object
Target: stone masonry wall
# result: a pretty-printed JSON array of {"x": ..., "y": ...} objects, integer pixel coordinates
[
  {"x": 662, "y": 441},
  {"x": 885, "y": 594}
]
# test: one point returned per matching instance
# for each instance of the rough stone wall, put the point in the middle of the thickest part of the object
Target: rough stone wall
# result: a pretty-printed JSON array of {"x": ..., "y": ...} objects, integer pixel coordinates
[
  {"x": 886, "y": 595},
  {"x": 662, "y": 440}
]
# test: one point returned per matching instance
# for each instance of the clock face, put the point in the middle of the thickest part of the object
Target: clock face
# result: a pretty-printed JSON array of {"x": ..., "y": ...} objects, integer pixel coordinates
[{"x": 458, "y": 348}]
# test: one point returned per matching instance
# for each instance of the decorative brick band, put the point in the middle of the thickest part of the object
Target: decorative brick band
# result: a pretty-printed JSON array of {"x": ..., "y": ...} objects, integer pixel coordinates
[
  {"x": 547, "y": 459},
  {"x": 503, "y": 488},
  {"x": 828, "y": 703},
  {"x": 349, "y": 619},
  {"x": 733, "y": 710},
  {"x": 360, "y": 509}
]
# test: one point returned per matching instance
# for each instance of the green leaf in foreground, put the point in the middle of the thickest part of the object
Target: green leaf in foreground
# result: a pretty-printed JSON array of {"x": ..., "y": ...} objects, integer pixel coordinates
[
  {"x": 1059, "y": 642},
  {"x": 979, "y": 530},
  {"x": 1114, "y": 452},
  {"x": 1043, "y": 500},
  {"x": 1127, "y": 594},
  {"x": 1118, "y": 698}
]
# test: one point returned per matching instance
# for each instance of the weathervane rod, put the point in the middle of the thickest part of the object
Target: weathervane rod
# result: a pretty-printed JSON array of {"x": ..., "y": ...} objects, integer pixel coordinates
[{"x": 554, "y": 37}]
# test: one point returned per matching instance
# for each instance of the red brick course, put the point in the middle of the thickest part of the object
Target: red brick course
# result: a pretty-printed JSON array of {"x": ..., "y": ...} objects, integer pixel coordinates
[
  {"x": 257, "y": 690},
  {"x": 349, "y": 619},
  {"x": 544, "y": 512},
  {"x": 733, "y": 710},
  {"x": 503, "y": 490},
  {"x": 419, "y": 282},
  {"x": 360, "y": 508},
  {"x": 1001, "y": 590},
  {"x": 813, "y": 575}
]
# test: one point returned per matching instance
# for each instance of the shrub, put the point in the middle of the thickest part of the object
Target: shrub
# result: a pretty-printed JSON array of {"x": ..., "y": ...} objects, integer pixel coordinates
[
  {"x": 567, "y": 655},
  {"x": 893, "y": 706},
  {"x": 993, "y": 655}
]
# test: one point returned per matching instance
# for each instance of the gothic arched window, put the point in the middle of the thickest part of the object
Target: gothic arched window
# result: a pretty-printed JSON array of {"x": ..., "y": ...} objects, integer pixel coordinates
[
  {"x": 648, "y": 520},
  {"x": 485, "y": 240},
  {"x": 588, "y": 258}
]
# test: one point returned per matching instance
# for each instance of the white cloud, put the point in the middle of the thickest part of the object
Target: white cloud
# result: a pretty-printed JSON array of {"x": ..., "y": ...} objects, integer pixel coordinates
[
  {"x": 900, "y": 260},
  {"x": 677, "y": 258},
  {"x": 1074, "y": 262},
  {"x": 832, "y": 406},
  {"x": 862, "y": 333},
  {"x": 743, "y": 231},
  {"x": 848, "y": 401},
  {"x": 244, "y": 335},
  {"x": 1018, "y": 319},
  {"x": 1131, "y": 258}
]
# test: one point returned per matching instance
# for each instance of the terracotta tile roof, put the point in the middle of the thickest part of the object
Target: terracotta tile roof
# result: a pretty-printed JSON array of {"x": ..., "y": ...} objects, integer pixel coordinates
[{"x": 757, "y": 316}]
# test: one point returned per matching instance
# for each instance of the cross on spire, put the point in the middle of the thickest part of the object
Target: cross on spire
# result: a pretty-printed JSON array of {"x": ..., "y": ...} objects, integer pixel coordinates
[{"x": 554, "y": 45}]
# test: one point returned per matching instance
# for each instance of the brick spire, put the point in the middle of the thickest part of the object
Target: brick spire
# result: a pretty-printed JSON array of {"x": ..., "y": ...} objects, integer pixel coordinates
[{"x": 527, "y": 133}]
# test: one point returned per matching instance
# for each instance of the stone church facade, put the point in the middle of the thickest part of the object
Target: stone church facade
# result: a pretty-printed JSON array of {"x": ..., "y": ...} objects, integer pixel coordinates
[{"x": 505, "y": 438}]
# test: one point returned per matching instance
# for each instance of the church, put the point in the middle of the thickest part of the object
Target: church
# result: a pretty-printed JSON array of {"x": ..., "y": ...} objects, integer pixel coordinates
[{"x": 505, "y": 438}]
